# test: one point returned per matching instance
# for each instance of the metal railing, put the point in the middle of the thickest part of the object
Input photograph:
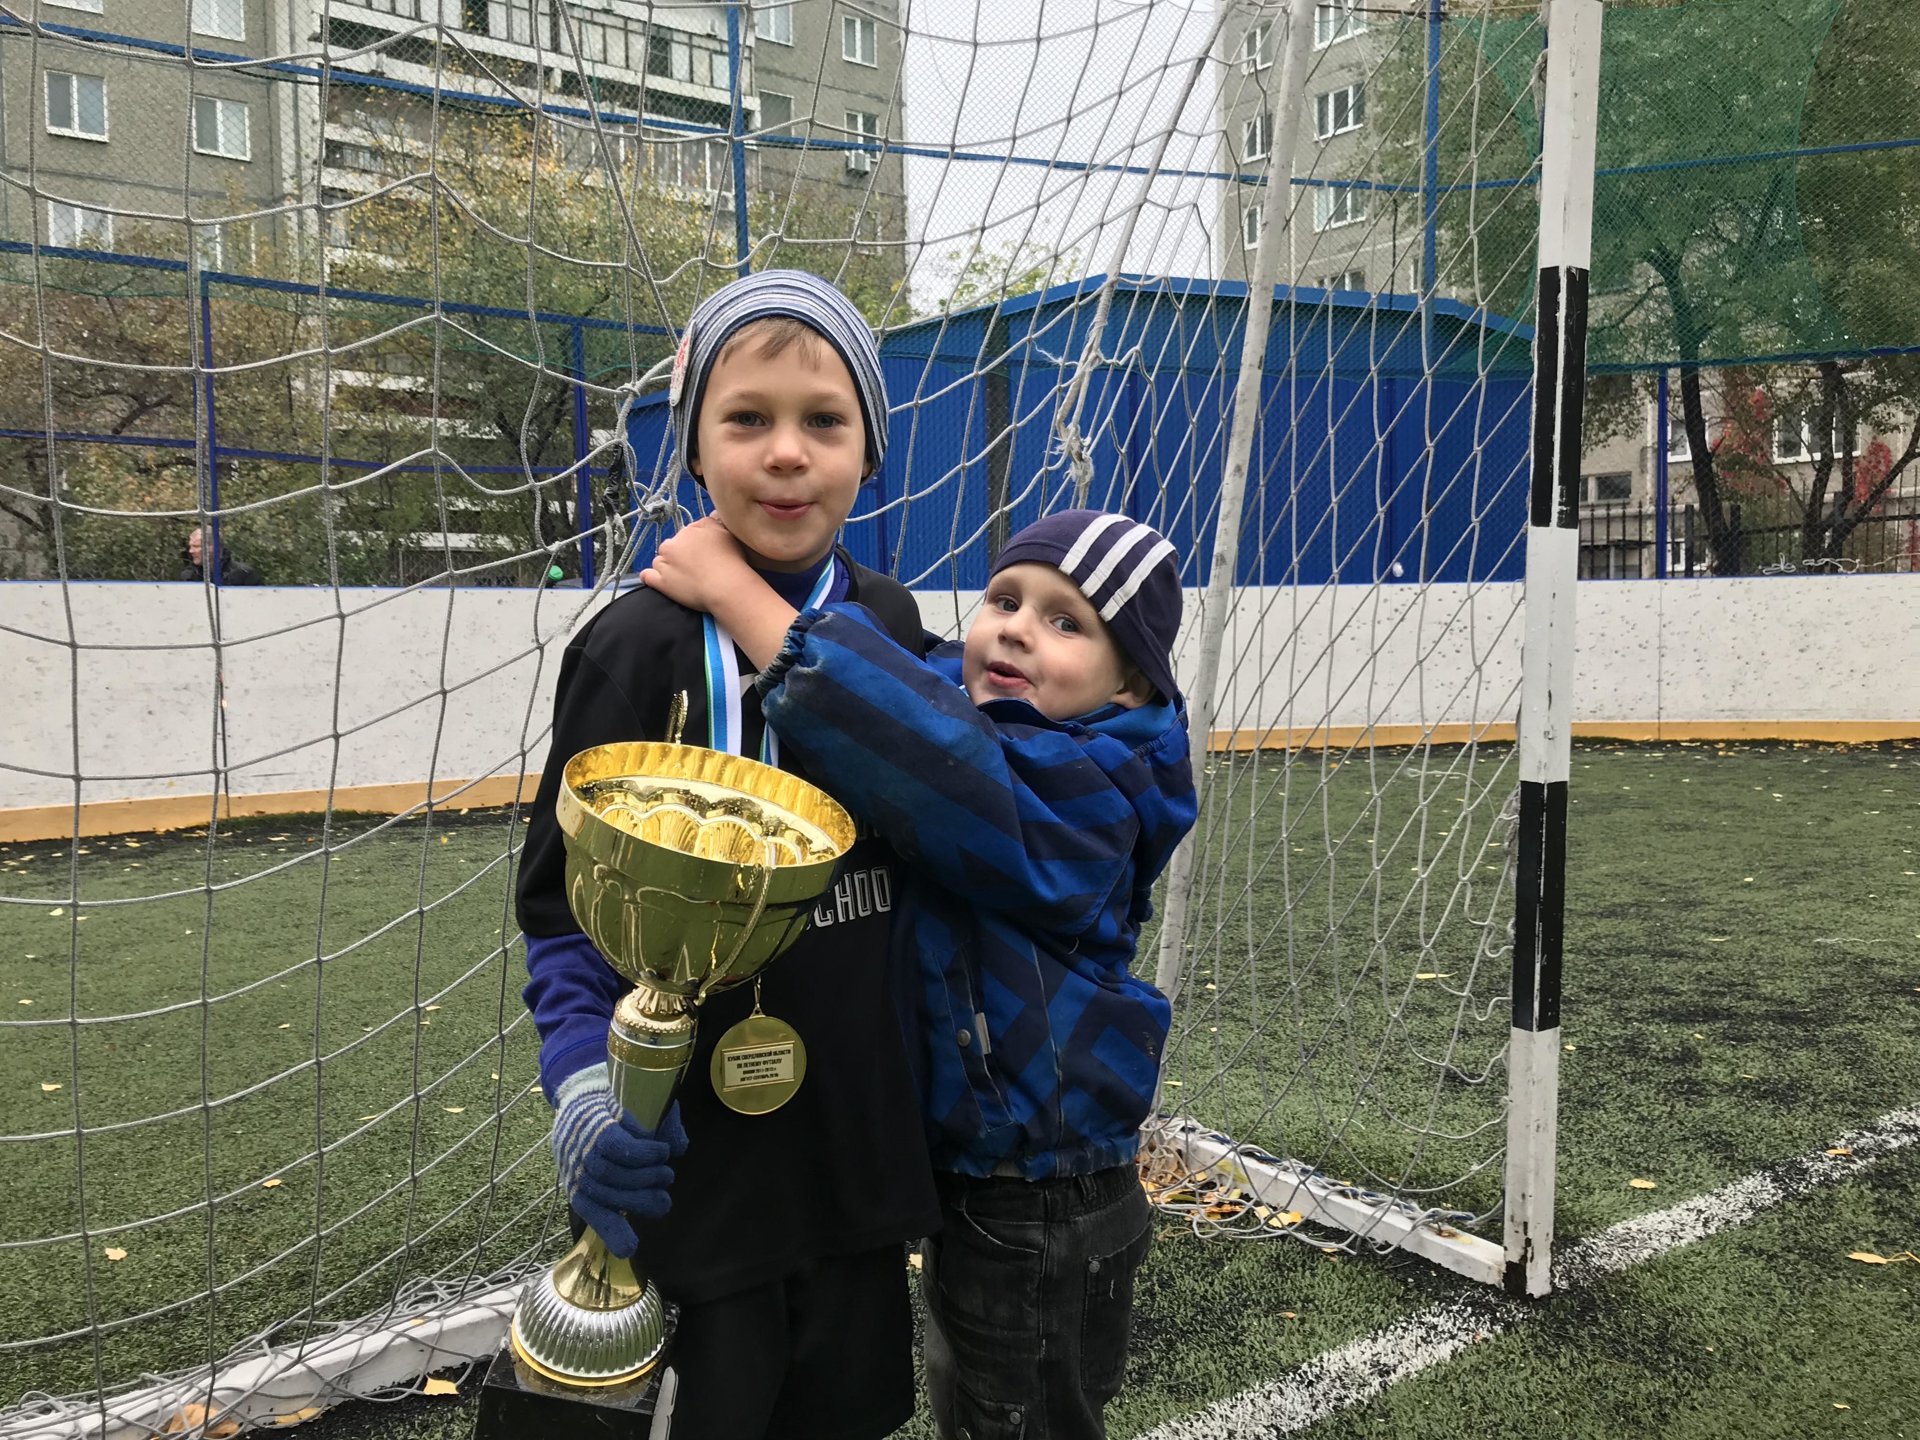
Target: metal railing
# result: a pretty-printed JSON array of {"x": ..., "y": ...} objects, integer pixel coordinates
[{"x": 1625, "y": 542}]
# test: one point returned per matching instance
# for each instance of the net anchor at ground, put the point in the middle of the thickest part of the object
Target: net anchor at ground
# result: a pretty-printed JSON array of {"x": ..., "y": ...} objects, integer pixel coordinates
[{"x": 1186, "y": 1148}]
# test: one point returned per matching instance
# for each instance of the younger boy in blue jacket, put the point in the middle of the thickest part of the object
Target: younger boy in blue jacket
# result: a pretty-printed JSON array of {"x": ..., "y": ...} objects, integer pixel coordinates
[{"x": 1036, "y": 779}]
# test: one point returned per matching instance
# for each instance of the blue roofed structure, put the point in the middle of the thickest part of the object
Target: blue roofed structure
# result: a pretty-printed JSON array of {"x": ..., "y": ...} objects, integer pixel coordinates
[{"x": 1362, "y": 463}]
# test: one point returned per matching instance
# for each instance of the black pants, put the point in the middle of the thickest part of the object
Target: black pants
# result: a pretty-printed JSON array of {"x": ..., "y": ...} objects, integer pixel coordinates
[
  {"x": 1029, "y": 1291},
  {"x": 823, "y": 1353}
]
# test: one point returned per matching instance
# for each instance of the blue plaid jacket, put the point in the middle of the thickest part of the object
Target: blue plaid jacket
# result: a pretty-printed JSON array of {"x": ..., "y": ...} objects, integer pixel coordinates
[{"x": 1031, "y": 846}]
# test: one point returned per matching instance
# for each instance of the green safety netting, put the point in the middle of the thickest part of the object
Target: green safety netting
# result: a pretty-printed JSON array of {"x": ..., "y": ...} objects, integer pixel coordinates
[{"x": 1758, "y": 185}]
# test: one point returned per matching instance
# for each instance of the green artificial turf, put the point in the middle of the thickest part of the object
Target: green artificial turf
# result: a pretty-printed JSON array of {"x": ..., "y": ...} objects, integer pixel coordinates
[{"x": 1742, "y": 984}]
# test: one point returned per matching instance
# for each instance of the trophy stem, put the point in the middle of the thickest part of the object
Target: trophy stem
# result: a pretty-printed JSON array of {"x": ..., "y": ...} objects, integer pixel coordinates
[
  {"x": 648, "y": 1047},
  {"x": 596, "y": 1319}
]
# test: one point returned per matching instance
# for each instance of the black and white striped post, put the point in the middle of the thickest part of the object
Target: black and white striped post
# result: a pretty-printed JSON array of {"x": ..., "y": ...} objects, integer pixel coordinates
[{"x": 1569, "y": 115}]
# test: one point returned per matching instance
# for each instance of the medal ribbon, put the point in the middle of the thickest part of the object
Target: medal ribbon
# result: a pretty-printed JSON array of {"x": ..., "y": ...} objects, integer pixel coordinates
[{"x": 724, "y": 700}]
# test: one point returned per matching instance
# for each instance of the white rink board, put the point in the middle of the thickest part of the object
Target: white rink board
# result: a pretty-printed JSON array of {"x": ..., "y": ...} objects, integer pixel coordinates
[{"x": 459, "y": 685}]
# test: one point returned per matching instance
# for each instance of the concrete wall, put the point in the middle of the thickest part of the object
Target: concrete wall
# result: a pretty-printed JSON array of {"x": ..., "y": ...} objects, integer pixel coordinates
[{"x": 374, "y": 689}]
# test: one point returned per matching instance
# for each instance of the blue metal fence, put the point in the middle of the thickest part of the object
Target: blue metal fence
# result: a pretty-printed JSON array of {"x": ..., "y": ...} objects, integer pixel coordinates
[{"x": 1368, "y": 467}]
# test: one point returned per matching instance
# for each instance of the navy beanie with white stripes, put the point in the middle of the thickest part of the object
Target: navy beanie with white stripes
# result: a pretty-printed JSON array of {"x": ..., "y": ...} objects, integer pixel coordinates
[
  {"x": 1126, "y": 570},
  {"x": 815, "y": 303}
]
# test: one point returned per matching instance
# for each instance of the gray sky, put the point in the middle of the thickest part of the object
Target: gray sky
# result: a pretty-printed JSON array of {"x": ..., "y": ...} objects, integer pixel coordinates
[{"x": 1091, "y": 81}]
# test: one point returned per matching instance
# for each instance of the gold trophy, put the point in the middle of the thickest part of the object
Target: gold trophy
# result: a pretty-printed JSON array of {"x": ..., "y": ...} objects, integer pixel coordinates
[{"x": 690, "y": 869}]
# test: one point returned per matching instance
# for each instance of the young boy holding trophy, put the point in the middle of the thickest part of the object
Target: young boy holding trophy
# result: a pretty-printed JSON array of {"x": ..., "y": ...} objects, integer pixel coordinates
[
  {"x": 1035, "y": 779},
  {"x": 783, "y": 1244}
]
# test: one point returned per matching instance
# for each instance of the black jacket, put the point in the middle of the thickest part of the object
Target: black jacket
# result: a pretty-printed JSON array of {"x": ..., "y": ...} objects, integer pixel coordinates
[
  {"x": 232, "y": 571},
  {"x": 843, "y": 1166}
]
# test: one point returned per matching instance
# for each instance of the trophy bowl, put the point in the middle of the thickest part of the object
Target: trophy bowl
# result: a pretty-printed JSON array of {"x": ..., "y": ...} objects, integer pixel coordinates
[{"x": 690, "y": 869}]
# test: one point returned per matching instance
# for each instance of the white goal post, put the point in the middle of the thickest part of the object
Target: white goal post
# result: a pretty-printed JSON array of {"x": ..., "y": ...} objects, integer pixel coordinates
[{"x": 1531, "y": 828}]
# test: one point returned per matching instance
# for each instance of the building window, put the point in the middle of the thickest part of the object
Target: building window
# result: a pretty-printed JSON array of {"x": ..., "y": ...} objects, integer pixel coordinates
[
  {"x": 1677, "y": 447},
  {"x": 1615, "y": 560},
  {"x": 861, "y": 127},
  {"x": 776, "y": 110},
  {"x": 1250, "y": 226},
  {"x": 225, "y": 18},
  {"x": 859, "y": 39},
  {"x": 673, "y": 55},
  {"x": 775, "y": 23},
  {"x": 348, "y": 155},
  {"x": 220, "y": 128},
  {"x": 1337, "y": 21},
  {"x": 1343, "y": 206},
  {"x": 1338, "y": 111},
  {"x": 669, "y": 57},
  {"x": 1613, "y": 489},
  {"x": 76, "y": 105},
  {"x": 1793, "y": 440},
  {"x": 78, "y": 227},
  {"x": 351, "y": 224},
  {"x": 92, "y": 7},
  {"x": 224, "y": 247},
  {"x": 1344, "y": 280},
  {"x": 1256, "y": 137},
  {"x": 1256, "y": 48}
]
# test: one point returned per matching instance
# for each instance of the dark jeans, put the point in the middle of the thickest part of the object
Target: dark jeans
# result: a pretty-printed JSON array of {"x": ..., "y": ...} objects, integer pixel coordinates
[{"x": 1029, "y": 1291}]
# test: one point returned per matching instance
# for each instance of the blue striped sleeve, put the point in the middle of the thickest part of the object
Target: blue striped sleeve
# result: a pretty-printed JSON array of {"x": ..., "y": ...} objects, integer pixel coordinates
[
  {"x": 1018, "y": 818},
  {"x": 571, "y": 991}
]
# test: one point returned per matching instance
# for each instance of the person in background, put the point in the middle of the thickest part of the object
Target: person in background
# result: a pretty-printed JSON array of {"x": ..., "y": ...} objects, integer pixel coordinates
[{"x": 232, "y": 571}]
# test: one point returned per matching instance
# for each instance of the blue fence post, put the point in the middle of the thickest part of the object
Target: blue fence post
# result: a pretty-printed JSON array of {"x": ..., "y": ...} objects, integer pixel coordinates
[
  {"x": 736, "y": 125},
  {"x": 1661, "y": 496},
  {"x": 582, "y": 472},
  {"x": 210, "y": 537},
  {"x": 1430, "y": 185}
]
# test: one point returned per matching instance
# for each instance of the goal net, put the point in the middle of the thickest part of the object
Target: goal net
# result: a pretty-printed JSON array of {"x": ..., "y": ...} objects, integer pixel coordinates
[{"x": 334, "y": 402}]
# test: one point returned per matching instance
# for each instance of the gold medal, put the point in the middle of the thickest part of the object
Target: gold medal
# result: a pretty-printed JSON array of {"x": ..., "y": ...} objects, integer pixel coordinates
[{"x": 759, "y": 1063}]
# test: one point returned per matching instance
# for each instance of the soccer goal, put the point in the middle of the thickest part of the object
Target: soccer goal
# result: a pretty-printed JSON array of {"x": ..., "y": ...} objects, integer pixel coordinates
[{"x": 334, "y": 345}]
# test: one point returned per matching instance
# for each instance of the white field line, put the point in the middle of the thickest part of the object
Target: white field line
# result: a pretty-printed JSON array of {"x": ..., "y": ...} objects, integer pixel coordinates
[{"x": 1364, "y": 1368}]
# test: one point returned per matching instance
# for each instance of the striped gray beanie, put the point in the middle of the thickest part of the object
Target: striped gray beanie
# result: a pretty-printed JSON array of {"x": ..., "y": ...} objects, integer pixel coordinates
[
  {"x": 1126, "y": 570},
  {"x": 800, "y": 296}
]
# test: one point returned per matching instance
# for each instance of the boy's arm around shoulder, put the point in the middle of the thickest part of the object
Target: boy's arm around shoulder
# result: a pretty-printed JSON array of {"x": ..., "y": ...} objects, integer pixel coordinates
[{"x": 1019, "y": 819}]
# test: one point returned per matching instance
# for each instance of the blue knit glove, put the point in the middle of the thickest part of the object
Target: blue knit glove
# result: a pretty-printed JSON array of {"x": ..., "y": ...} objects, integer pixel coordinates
[{"x": 610, "y": 1168}]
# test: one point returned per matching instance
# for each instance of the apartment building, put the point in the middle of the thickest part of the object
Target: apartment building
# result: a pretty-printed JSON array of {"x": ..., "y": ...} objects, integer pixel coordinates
[
  {"x": 123, "y": 144},
  {"x": 828, "y": 72},
  {"x": 1344, "y": 237}
]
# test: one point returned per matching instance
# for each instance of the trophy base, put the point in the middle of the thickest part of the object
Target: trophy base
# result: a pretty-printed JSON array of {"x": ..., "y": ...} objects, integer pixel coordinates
[{"x": 519, "y": 1403}]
